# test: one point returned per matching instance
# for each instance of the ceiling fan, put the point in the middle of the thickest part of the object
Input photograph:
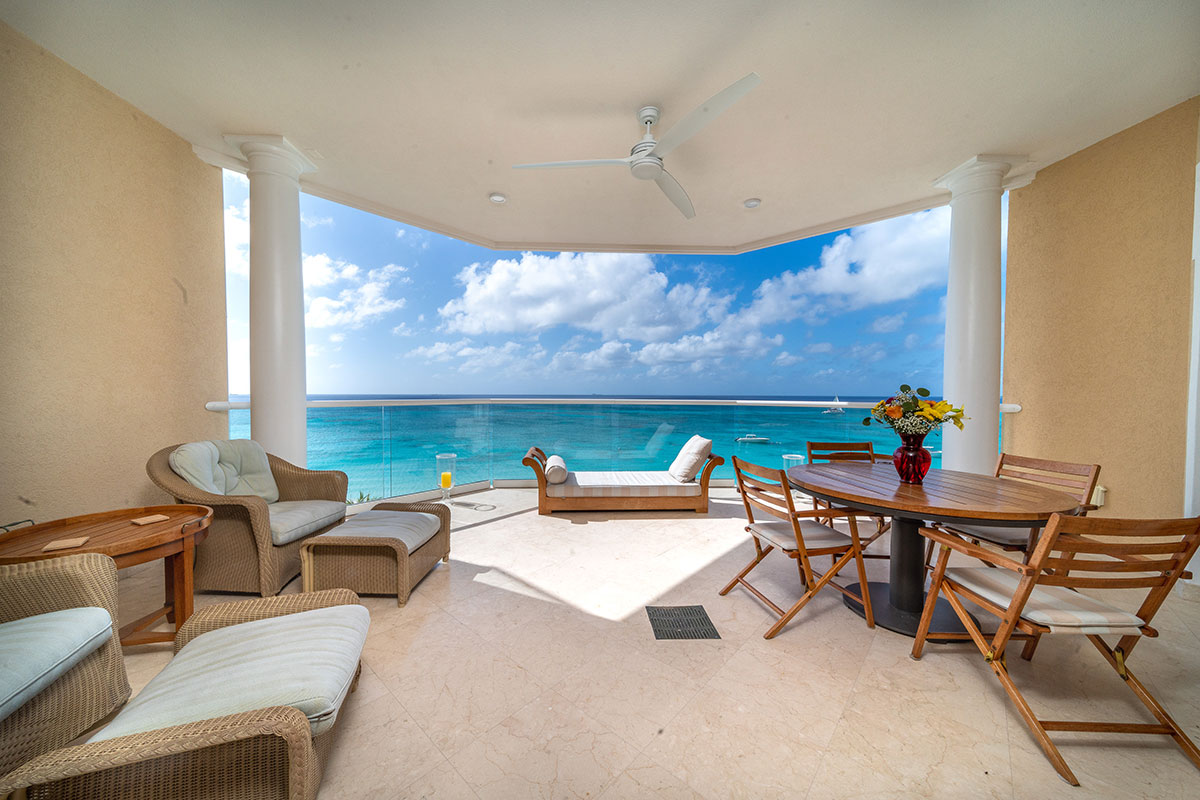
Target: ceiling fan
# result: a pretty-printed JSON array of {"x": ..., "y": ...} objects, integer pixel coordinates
[{"x": 645, "y": 160}]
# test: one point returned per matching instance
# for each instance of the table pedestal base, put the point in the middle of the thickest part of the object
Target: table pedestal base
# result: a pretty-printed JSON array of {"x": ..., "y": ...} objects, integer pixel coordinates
[{"x": 905, "y": 622}]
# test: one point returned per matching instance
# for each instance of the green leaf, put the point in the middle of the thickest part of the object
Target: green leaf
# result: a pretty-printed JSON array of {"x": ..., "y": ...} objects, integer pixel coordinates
[
  {"x": 904, "y": 387},
  {"x": 923, "y": 392}
]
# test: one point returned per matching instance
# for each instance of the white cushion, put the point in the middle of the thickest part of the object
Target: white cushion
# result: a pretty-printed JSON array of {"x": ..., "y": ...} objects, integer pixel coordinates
[
  {"x": 623, "y": 484},
  {"x": 292, "y": 519},
  {"x": 414, "y": 528},
  {"x": 306, "y": 660},
  {"x": 691, "y": 458},
  {"x": 1011, "y": 537},
  {"x": 37, "y": 650},
  {"x": 237, "y": 467},
  {"x": 816, "y": 535},
  {"x": 556, "y": 469},
  {"x": 1061, "y": 609}
]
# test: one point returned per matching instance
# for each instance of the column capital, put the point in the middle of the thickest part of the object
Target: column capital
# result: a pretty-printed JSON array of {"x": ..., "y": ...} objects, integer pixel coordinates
[
  {"x": 985, "y": 172},
  {"x": 272, "y": 153}
]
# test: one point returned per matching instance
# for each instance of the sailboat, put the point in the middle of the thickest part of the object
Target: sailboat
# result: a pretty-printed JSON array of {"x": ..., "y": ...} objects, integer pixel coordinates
[{"x": 835, "y": 409}]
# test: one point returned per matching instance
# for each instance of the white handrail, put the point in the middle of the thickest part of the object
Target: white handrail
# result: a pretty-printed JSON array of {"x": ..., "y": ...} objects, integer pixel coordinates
[{"x": 228, "y": 405}]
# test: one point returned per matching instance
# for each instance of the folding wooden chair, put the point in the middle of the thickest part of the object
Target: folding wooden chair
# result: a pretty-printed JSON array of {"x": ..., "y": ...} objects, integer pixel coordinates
[
  {"x": 800, "y": 535},
  {"x": 1076, "y": 480},
  {"x": 827, "y": 452},
  {"x": 1039, "y": 597}
]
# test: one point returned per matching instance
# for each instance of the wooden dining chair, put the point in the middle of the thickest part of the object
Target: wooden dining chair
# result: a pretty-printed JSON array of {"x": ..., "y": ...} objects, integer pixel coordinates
[
  {"x": 1076, "y": 480},
  {"x": 1040, "y": 597},
  {"x": 828, "y": 452},
  {"x": 800, "y": 535}
]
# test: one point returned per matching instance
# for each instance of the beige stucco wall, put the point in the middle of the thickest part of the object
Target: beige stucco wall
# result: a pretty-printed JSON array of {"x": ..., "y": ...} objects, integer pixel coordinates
[
  {"x": 1098, "y": 311},
  {"x": 112, "y": 308}
]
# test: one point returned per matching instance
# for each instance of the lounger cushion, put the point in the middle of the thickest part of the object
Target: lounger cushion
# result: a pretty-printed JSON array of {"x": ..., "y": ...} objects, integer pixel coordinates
[
  {"x": 623, "y": 484},
  {"x": 1061, "y": 609},
  {"x": 293, "y": 519},
  {"x": 305, "y": 660},
  {"x": 35, "y": 651},
  {"x": 1008, "y": 537},
  {"x": 816, "y": 535},
  {"x": 414, "y": 528},
  {"x": 237, "y": 467},
  {"x": 691, "y": 458},
  {"x": 556, "y": 469}
]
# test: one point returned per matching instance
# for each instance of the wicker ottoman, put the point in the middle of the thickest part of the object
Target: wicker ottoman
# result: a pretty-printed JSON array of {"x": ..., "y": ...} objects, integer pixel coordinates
[{"x": 370, "y": 552}]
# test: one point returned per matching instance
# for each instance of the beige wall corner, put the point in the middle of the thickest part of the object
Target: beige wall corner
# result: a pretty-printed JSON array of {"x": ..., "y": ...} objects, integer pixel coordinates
[
  {"x": 1098, "y": 311},
  {"x": 112, "y": 314}
]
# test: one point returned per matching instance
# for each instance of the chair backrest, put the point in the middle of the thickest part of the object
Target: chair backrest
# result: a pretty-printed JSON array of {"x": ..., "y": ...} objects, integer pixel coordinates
[
  {"x": 1093, "y": 553},
  {"x": 764, "y": 489},
  {"x": 819, "y": 452},
  {"x": 1077, "y": 480}
]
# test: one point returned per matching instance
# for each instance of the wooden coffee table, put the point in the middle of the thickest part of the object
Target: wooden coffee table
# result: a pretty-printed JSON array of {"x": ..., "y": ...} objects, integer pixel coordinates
[
  {"x": 946, "y": 496},
  {"x": 112, "y": 533}
]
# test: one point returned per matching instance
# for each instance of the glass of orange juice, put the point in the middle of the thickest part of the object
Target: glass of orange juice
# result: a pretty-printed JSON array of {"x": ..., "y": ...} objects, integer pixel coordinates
[{"x": 445, "y": 473}]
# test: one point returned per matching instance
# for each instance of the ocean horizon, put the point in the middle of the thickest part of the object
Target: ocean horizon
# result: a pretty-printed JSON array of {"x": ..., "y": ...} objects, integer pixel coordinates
[{"x": 390, "y": 450}]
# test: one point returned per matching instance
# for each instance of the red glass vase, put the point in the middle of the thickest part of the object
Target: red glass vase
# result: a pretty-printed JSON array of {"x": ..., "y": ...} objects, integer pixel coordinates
[{"x": 911, "y": 459}]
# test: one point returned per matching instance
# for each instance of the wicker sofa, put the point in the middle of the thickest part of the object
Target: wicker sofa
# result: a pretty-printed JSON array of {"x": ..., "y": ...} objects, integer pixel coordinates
[
  {"x": 239, "y": 554},
  {"x": 85, "y": 693},
  {"x": 248, "y": 753},
  {"x": 620, "y": 491}
]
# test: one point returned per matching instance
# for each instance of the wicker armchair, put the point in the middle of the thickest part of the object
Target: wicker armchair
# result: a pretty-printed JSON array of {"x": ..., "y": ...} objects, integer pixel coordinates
[
  {"x": 238, "y": 555},
  {"x": 267, "y": 753},
  {"x": 91, "y": 689}
]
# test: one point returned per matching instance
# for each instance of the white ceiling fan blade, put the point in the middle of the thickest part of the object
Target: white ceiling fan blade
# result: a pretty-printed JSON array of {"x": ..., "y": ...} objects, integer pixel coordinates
[
  {"x": 694, "y": 122},
  {"x": 595, "y": 162},
  {"x": 675, "y": 194}
]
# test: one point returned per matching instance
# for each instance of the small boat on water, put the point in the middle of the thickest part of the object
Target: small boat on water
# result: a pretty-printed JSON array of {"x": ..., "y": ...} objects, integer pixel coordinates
[
  {"x": 750, "y": 438},
  {"x": 835, "y": 409}
]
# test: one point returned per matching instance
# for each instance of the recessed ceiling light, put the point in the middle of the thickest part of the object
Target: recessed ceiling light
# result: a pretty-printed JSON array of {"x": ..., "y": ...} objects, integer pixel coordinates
[
  {"x": 497, "y": 198},
  {"x": 752, "y": 202}
]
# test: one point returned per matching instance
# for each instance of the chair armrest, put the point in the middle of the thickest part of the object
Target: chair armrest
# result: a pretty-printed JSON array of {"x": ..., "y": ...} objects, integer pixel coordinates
[
  {"x": 535, "y": 459},
  {"x": 711, "y": 464},
  {"x": 441, "y": 511},
  {"x": 55, "y": 584},
  {"x": 961, "y": 545},
  {"x": 111, "y": 755},
  {"x": 222, "y": 615},
  {"x": 298, "y": 483}
]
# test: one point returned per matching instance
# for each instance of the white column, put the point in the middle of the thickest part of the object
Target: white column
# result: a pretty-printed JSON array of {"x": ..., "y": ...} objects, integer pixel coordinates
[
  {"x": 277, "y": 370},
  {"x": 973, "y": 300}
]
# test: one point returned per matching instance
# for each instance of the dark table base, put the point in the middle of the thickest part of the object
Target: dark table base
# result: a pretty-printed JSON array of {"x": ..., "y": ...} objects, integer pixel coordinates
[{"x": 905, "y": 622}]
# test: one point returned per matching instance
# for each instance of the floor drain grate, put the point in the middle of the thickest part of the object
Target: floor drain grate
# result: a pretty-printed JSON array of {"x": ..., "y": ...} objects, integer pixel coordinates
[{"x": 681, "y": 622}]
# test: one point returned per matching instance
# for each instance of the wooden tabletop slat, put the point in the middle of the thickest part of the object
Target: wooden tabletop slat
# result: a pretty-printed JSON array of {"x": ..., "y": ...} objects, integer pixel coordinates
[
  {"x": 110, "y": 533},
  {"x": 945, "y": 493}
]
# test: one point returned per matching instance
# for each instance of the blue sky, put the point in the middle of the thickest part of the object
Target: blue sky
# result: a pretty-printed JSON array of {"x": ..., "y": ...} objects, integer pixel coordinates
[{"x": 393, "y": 309}]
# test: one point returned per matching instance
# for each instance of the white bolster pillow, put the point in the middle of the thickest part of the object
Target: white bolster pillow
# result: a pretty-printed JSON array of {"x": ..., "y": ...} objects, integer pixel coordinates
[{"x": 556, "y": 469}]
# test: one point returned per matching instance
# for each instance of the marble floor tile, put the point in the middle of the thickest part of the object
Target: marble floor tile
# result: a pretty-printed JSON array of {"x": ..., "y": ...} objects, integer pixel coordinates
[{"x": 548, "y": 749}]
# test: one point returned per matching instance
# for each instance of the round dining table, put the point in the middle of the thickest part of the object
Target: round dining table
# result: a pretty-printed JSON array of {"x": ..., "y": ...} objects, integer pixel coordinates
[{"x": 946, "y": 496}]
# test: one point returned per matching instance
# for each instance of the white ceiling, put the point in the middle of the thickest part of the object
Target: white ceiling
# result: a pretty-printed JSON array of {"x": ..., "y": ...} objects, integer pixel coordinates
[{"x": 418, "y": 110}]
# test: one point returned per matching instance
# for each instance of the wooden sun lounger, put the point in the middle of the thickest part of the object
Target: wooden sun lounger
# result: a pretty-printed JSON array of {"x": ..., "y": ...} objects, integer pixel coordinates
[{"x": 649, "y": 494}]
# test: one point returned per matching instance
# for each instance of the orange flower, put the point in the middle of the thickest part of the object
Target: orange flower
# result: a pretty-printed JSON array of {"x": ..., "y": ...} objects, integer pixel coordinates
[{"x": 895, "y": 412}]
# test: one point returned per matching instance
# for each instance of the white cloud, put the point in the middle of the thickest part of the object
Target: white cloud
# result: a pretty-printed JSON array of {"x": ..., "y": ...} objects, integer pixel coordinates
[
  {"x": 707, "y": 347},
  {"x": 819, "y": 347},
  {"x": 618, "y": 295},
  {"x": 321, "y": 270},
  {"x": 439, "y": 351},
  {"x": 402, "y": 330},
  {"x": 911, "y": 341},
  {"x": 237, "y": 238},
  {"x": 867, "y": 353},
  {"x": 612, "y": 355},
  {"x": 400, "y": 233},
  {"x": 888, "y": 324},
  {"x": 480, "y": 359},
  {"x": 337, "y": 337},
  {"x": 313, "y": 222},
  {"x": 786, "y": 359}
]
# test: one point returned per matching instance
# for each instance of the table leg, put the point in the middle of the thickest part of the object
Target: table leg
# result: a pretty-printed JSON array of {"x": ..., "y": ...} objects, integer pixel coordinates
[
  {"x": 897, "y": 604},
  {"x": 169, "y": 585},
  {"x": 182, "y": 565}
]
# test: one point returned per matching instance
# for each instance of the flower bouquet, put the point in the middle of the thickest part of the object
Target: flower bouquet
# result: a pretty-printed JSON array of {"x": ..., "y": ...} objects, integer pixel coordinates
[{"x": 911, "y": 415}]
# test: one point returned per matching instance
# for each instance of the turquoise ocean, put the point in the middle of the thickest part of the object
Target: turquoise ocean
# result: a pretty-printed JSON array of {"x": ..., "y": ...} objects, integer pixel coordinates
[{"x": 390, "y": 450}]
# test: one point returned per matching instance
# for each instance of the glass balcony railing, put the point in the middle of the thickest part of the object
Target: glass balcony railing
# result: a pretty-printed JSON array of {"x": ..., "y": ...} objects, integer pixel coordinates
[{"x": 389, "y": 449}]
